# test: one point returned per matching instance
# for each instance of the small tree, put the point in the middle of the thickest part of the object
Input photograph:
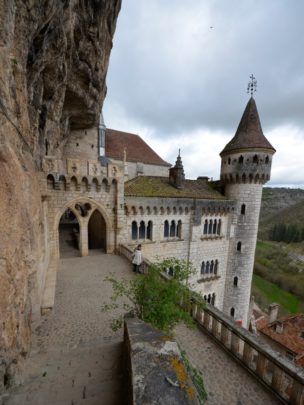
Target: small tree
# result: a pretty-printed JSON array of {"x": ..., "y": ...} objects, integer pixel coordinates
[{"x": 154, "y": 299}]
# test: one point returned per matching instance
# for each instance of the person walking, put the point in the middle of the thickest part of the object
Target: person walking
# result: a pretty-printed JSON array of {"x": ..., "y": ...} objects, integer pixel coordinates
[{"x": 137, "y": 259}]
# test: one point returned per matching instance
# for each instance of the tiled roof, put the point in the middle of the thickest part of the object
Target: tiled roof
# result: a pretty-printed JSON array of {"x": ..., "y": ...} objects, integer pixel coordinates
[
  {"x": 249, "y": 134},
  {"x": 152, "y": 186},
  {"x": 290, "y": 336},
  {"x": 136, "y": 148}
]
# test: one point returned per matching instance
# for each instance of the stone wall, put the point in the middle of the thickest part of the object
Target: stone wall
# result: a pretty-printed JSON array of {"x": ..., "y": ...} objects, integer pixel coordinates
[{"x": 53, "y": 62}]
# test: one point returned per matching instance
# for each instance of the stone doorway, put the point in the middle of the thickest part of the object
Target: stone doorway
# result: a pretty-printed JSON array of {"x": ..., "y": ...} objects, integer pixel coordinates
[
  {"x": 97, "y": 238},
  {"x": 69, "y": 235}
]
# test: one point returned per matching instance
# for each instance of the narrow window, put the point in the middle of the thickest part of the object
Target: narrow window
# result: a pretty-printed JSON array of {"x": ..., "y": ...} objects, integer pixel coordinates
[
  {"x": 207, "y": 267},
  {"x": 209, "y": 298},
  {"x": 255, "y": 159},
  {"x": 216, "y": 267},
  {"x": 267, "y": 160},
  {"x": 232, "y": 312},
  {"x": 243, "y": 209},
  {"x": 241, "y": 159},
  {"x": 229, "y": 161},
  {"x": 142, "y": 230},
  {"x": 239, "y": 246},
  {"x": 172, "y": 229},
  {"x": 134, "y": 230},
  {"x": 205, "y": 297},
  {"x": 235, "y": 281},
  {"x": 214, "y": 226},
  {"x": 210, "y": 226},
  {"x": 219, "y": 225},
  {"x": 213, "y": 299},
  {"x": 149, "y": 230},
  {"x": 166, "y": 229},
  {"x": 179, "y": 229},
  {"x": 203, "y": 268},
  {"x": 206, "y": 227},
  {"x": 211, "y": 266}
]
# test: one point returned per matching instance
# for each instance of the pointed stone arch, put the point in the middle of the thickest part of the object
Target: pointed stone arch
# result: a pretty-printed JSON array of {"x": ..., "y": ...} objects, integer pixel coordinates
[{"x": 97, "y": 231}]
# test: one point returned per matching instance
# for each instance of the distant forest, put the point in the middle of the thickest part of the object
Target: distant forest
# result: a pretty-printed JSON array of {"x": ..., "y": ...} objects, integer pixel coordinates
[{"x": 286, "y": 233}]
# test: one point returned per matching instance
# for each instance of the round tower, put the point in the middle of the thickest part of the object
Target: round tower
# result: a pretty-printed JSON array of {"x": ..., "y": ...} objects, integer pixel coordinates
[{"x": 245, "y": 168}]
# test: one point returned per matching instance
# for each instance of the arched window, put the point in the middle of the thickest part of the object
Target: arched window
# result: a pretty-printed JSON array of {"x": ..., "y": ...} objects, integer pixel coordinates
[
  {"x": 255, "y": 159},
  {"x": 149, "y": 230},
  {"x": 134, "y": 230},
  {"x": 243, "y": 209},
  {"x": 142, "y": 230},
  {"x": 207, "y": 267},
  {"x": 206, "y": 227},
  {"x": 209, "y": 298},
  {"x": 179, "y": 229},
  {"x": 211, "y": 266},
  {"x": 235, "y": 281},
  {"x": 244, "y": 178},
  {"x": 166, "y": 229},
  {"x": 216, "y": 267},
  {"x": 205, "y": 297},
  {"x": 213, "y": 299},
  {"x": 232, "y": 311},
  {"x": 239, "y": 246},
  {"x": 203, "y": 268},
  {"x": 172, "y": 229},
  {"x": 241, "y": 159},
  {"x": 214, "y": 226},
  {"x": 210, "y": 226},
  {"x": 50, "y": 182},
  {"x": 267, "y": 160},
  {"x": 229, "y": 161},
  {"x": 219, "y": 225}
]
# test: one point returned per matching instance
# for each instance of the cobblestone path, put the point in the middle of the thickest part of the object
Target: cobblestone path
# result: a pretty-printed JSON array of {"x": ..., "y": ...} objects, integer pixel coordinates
[
  {"x": 76, "y": 357},
  {"x": 226, "y": 382}
]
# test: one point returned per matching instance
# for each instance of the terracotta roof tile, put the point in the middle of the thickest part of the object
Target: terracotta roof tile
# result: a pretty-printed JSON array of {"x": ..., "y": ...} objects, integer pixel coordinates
[
  {"x": 292, "y": 330},
  {"x": 136, "y": 148},
  {"x": 152, "y": 186},
  {"x": 249, "y": 134}
]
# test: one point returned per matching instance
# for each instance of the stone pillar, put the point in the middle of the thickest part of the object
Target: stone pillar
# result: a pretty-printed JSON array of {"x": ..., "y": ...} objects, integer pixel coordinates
[
  {"x": 277, "y": 377},
  {"x": 261, "y": 365},
  {"x": 83, "y": 239},
  {"x": 247, "y": 354},
  {"x": 206, "y": 320},
  {"x": 199, "y": 315},
  {"x": 235, "y": 343},
  {"x": 297, "y": 393},
  {"x": 215, "y": 327},
  {"x": 224, "y": 335}
]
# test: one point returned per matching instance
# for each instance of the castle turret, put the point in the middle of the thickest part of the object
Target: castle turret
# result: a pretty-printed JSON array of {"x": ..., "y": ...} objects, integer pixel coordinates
[{"x": 246, "y": 166}]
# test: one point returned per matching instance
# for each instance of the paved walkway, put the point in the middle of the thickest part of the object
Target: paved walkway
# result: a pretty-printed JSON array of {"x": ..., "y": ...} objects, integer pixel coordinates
[{"x": 76, "y": 357}]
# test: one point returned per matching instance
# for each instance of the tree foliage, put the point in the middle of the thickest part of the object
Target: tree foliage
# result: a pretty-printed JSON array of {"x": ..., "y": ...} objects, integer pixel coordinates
[
  {"x": 286, "y": 233},
  {"x": 151, "y": 297}
]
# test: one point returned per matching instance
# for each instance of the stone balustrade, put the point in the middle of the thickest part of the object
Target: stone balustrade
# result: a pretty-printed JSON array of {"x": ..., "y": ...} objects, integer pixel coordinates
[{"x": 273, "y": 370}]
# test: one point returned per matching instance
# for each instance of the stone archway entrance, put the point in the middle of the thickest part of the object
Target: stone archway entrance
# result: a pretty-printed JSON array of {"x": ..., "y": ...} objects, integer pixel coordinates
[
  {"x": 97, "y": 238},
  {"x": 68, "y": 235}
]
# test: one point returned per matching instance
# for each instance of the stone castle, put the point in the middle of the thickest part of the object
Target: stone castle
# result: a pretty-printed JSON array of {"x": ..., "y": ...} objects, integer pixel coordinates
[{"x": 107, "y": 188}]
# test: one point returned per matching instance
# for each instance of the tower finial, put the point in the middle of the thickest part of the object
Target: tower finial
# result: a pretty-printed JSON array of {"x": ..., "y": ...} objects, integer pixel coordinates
[
  {"x": 179, "y": 152},
  {"x": 252, "y": 85}
]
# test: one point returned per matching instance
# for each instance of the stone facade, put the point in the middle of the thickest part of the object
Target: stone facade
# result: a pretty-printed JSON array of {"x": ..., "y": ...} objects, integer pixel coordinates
[{"x": 212, "y": 224}]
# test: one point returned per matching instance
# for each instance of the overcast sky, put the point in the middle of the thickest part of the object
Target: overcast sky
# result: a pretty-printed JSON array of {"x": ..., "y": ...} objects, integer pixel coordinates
[{"x": 178, "y": 77}]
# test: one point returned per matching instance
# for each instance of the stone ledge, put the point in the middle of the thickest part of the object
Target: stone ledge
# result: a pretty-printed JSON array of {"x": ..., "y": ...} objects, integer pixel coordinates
[
  {"x": 154, "y": 368},
  {"x": 205, "y": 279}
]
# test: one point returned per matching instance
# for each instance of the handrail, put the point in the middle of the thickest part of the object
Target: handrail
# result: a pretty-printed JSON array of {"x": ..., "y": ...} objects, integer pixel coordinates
[{"x": 284, "y": 379}]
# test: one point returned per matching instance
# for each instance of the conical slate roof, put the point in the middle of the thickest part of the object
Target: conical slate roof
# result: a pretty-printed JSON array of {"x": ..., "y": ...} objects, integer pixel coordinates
[{"x": 249, "y": 134}]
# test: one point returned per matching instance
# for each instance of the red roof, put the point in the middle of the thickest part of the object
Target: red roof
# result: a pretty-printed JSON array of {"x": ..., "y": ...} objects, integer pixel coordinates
[
  {"x": 136, "y": 148},
  {"x": 289, "y": 332}
]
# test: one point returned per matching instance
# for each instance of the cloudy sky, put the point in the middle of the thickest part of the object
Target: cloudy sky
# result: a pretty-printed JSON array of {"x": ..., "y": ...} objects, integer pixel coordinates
[{"x": 178, "y": 77}]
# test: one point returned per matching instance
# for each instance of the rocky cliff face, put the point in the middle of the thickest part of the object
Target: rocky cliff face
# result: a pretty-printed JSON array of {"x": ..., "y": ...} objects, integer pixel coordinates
[{"x": 53, "y": 61}]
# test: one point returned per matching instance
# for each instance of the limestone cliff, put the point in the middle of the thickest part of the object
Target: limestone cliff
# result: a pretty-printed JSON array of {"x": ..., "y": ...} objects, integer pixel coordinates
[{"x": 54, "y": 56}]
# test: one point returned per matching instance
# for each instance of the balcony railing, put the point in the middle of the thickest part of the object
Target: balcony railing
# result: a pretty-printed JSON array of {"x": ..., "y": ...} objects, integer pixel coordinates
[{"x": 279, "y": 375}]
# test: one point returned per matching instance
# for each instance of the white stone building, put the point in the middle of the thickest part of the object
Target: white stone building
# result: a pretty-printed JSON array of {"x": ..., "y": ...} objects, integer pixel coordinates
[{"x": 110, "y": 188}]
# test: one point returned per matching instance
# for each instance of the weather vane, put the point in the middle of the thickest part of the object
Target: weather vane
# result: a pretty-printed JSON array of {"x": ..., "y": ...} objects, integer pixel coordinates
[{"x": 252, "y": 85}]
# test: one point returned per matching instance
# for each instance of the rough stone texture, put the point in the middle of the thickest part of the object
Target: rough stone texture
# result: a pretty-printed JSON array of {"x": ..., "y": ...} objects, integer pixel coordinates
[
  {"x": 53, "y": 60},
  {"x": 155, "y": 365}
]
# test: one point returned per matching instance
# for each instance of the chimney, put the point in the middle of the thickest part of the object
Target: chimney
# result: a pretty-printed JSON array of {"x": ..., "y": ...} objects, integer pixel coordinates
[{"x": 273, "y": 311}]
